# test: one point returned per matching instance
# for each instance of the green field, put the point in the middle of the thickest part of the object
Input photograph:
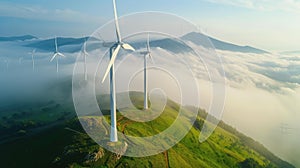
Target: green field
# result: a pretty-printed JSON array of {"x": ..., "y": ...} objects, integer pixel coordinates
[{"x": 65, "y": 144}]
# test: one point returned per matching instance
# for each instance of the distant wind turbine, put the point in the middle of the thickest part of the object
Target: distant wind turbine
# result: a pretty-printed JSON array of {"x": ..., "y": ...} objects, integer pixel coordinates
[
  {"x": 6, "y": 61},
  {"x": 85, "y": 54},
  {"x": 32, "y": 58},
  {"x": 56, "y": 54},
  {"x": 114, "y": 50},
  {"x": 146, "y": 54},
  {"x": 20, "y": 60}
]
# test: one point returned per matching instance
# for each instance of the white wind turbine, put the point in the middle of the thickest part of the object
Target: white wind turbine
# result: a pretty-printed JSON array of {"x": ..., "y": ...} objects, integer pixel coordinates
[
  {"x": 20, "y": 60},
  {"x": 85, "y": 54},
  {"x": 114, "y": 50},
  {"x": 6, "y": 61},
  {"x": 146, "y": 54},
  {"x": 56, "y": 54},
  {"x": 32, "y": 58}
]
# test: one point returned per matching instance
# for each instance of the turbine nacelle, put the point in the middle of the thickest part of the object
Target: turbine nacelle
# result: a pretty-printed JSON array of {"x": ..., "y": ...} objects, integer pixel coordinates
[
  {"x": 85, "y": 53},
  {"x": 57, "y": 54},
  {"x": 148, "y": 52},
  {"x": 145, "y": 53},
  {"x": 32, "y": 52},
  {"x": 115, "y": 49}
]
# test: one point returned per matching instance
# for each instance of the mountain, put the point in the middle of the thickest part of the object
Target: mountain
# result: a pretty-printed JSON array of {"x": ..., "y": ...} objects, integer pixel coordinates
[
  {"x": 65, "y": 144},
  {"x": 72, "y": 45},
  {"x": 291, "y": 53},
  {"x": 18, "y": 38},
  {"x": 166, "y": 44},
  {"x": 49, "y": 45},
  {"x": 206, "y": 41}
]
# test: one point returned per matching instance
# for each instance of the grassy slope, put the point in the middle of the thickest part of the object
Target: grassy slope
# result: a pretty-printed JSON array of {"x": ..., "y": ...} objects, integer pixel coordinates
[{"x": 225, "y": 148}]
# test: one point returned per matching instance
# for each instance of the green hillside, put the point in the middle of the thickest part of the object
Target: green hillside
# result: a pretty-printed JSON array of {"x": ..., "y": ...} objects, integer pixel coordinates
[{"x": 67, "y": 145}]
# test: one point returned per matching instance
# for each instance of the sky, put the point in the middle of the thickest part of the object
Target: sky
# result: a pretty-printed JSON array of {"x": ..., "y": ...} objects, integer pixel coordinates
[{"x": 271, "y": 25}]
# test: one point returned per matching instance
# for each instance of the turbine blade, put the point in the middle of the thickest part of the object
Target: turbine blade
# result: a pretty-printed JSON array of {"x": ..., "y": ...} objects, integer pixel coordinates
[
  {"x": 127, "y": 47},
  {"x": 148, "y": 43},
  {"x": 112, "y": 61},
  {"x": 60, "y": 54},
  {"x": 84, "y": 47},
  {"x": 117, "y": 22},
  {"x": 53, "y": 57},
  {"x": 152, "y": 60},
  {"x": 55, "y": 41}
]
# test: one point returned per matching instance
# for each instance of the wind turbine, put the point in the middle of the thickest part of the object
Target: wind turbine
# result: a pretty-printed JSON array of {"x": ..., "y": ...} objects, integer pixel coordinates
[
  {"x": 20, "y": 60},
  {"x": 32, "y": 58},
  {"x": 56, "y": 54},
  {"x": 6, "y": 62},
  {"x": 85, "y": 54},
  {"x": 146, "y": 54},
  {"x": 114, "y": 50}
]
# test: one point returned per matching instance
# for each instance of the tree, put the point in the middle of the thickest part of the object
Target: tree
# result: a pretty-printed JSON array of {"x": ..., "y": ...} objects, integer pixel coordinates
[{"x": 249, "y": 163}]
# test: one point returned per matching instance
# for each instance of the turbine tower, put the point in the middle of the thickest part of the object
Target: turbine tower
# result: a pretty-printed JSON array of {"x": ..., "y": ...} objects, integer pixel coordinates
[
  {"x": 56, "y": 54},
  {"x": 146, "y": 54},
  {"x": 6, "y": 61},
  {"x": 85, "y": 54},
  {"x": 32, "y": 58},
  {"x": 114, "y": 50}
]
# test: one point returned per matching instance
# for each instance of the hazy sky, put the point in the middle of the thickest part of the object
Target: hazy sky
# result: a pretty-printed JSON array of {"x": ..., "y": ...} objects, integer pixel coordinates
[{"x": 270, "y": 24}]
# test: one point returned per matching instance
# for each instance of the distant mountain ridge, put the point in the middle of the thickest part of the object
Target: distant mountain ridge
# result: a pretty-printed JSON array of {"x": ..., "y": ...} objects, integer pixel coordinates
[
  {"x": 167, "y": 44},
  {"x": 290, "y": 52},
  {"x": 18, "y": 38},
  {"x": 49, "y": 45},
  {"x": 206, "y": 41}
]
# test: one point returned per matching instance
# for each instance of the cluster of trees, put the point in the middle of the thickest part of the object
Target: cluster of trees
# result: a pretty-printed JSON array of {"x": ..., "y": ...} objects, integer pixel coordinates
[
  {"x": 251, "y": 163},
  {"x": 17, "y": 122},
  {"x": 12, "y": 126}
]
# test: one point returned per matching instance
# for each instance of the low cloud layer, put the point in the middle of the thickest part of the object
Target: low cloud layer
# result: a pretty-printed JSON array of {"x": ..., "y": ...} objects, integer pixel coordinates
[{"x": 262, "y": 97}]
